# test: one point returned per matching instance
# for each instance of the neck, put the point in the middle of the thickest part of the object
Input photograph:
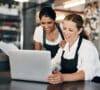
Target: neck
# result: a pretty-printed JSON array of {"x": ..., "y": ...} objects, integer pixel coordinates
[{"x": 73, "y": 41}]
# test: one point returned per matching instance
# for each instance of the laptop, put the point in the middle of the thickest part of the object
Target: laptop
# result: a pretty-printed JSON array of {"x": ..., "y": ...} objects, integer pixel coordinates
[{"x": 33, "y": 65}]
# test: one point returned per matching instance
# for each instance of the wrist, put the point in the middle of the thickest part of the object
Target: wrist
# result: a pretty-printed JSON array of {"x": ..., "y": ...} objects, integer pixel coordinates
[{"x": 62, "y": 77}]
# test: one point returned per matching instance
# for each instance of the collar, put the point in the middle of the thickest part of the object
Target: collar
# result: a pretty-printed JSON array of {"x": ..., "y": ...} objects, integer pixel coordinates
[{"x": 67, "y": 48}]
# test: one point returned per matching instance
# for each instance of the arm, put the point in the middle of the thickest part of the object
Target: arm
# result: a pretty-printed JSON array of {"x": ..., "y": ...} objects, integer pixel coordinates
[
  {"x": 38, "y": 38},
  {"x": 37, "y": 45},
  {"x": 58, "y": 77},
  {"x": 74, "y": 76},
  {"x": 56, "y": 60},
  {"x": 88, "y": 57}
]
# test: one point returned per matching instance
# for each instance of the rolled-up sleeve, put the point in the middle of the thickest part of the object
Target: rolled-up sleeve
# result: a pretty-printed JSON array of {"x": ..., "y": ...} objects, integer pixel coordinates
[
  {"x": 56, "y": 60},
  {"x": 88, "y": 61}
]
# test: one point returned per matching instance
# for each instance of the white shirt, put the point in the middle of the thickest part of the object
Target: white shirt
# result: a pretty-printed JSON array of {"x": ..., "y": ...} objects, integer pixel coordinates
[
  {"x": 88, "y": 59},
  {"x": 38, "y": 37}
]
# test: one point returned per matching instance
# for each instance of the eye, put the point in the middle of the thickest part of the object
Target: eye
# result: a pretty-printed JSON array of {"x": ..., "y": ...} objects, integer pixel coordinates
[
  {"x": 49, "y": 22},
  {"x": 42, "y": 23},
  {"x": 70, "y": 30},
  {"x": 64, "y": 28}
]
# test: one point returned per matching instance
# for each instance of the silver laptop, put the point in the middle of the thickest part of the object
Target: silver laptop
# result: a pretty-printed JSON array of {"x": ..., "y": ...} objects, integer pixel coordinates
[{"x": 34, "y": 65}]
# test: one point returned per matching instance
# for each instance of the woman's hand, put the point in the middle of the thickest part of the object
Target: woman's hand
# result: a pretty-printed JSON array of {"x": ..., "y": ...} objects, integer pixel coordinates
[
  {"x": 62, "y": 43},
  {"x": 55, "y": 78}
]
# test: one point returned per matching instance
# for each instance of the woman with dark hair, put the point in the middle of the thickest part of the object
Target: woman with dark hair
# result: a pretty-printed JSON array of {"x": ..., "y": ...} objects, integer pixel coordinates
[
  {"x": 49, "y": 34},
  {"x": 78, "y": 59}
]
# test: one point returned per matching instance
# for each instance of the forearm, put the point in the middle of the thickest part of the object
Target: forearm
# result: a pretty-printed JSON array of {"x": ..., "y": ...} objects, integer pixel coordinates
[{"x": 74, "y": 76}]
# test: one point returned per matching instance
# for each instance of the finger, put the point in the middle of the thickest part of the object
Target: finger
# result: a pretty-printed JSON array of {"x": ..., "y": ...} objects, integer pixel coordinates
[{"x": 55, "y": 81}]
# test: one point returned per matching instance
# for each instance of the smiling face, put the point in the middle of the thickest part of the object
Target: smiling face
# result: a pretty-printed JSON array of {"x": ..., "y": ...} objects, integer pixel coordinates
[
  {"x": 70, "y": 30},
  {"x": 47, "y": 23}
]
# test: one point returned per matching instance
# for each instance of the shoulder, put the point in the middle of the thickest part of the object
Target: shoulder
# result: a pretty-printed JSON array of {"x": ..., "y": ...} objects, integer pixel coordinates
[
  {"x": 88, "y": 44},
  {"x": 39, "y": 28},
  {"x": 38, "y": 34},
  {"x": 87, "y": 48}
]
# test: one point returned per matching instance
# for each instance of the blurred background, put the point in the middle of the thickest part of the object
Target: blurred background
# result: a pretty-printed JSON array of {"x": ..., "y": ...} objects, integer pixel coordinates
[{"x": 18, "y": 19}]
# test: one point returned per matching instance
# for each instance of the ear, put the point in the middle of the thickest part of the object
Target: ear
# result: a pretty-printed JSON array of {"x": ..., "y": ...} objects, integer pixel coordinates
[{"x": 81, "y": 29}]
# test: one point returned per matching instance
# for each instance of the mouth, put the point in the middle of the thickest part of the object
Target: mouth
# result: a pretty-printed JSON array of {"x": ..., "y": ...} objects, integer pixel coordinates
[
  {"x": 46, "y": 29},
  {"x": 67, "y": 38}
]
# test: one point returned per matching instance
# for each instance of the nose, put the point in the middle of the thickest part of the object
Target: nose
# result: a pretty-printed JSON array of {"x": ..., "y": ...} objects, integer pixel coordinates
[
  {"x": 66, "y": 34},
  {"x": 45, "y": 26}
]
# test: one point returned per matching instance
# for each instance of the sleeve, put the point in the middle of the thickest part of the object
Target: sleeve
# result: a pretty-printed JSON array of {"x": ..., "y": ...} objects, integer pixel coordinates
[
  {"x": 56, "y": 60},
  {"x": 89, "y": 58},
  {"x": 38, "y": 34}
]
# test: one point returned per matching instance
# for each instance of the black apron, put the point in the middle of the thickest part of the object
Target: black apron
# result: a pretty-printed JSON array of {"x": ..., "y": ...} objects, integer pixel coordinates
[
  {"x": 70, "y": 66},
  {"x": 52, "y": 48}
]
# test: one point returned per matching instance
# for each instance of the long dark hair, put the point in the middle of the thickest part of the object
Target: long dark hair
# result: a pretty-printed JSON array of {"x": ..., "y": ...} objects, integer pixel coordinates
[{"x": 79, "y": 23}]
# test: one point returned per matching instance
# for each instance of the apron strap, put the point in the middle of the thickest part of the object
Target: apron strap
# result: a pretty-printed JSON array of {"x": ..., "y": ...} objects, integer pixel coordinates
[
  {"x": 79, "y": 44},
  {"x": 60, "y": 31}
]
